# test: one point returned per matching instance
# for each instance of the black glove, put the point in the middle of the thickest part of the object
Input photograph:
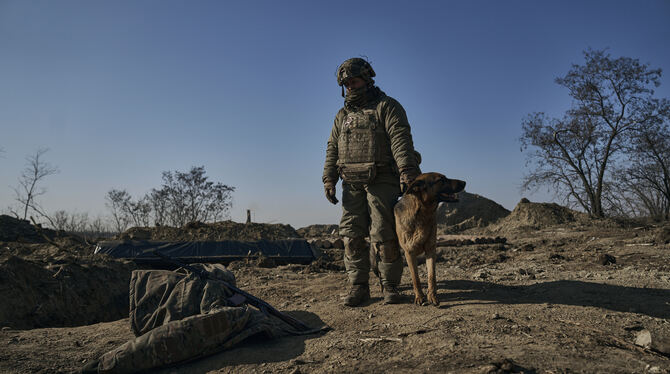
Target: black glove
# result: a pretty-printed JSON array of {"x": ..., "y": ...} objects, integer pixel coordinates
[
  {"x": 407, "y": 176},
  {"x": 330, "y": 192}
]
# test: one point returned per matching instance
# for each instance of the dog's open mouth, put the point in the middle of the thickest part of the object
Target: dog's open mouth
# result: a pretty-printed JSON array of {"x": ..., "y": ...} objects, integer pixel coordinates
[{"x": 448, "y": 197}]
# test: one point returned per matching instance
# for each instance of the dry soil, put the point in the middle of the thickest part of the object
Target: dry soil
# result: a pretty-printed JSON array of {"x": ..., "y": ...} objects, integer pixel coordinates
[{"x": 556, "y": 298}]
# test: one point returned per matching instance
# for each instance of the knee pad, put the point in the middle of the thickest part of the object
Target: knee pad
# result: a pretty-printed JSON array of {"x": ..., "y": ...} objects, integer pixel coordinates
[
  {"x": 388, "y": 251},
  {"x": 354, "y": 247}
]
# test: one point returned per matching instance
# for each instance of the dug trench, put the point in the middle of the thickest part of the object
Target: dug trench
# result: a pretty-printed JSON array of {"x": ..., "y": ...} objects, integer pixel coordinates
[{"x": 53, "y": 279}]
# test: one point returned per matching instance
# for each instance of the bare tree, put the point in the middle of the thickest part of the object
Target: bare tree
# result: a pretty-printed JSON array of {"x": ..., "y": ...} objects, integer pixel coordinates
[
  {"x": 190, "y": 196},
  {"x": 59, "y": 220},
  {"x": 159, "y": 204},
  {"x": 116, "y": 200},
  {"x": 612, "y": 98},
  {"x": 77, "y": 223},
  {"x": 126, "y": 211},
  {"x": 140, "y": 211},
  {"x": 648, "y": 171},
  {"x": 80, "y": 224},
  {"x": 98, "y": 227},
  {"x": 29, "y": 183}
]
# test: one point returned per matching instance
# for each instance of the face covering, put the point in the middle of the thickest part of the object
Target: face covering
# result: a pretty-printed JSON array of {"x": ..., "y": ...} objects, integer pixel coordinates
[
  {"x": 360, "y": 96},
  {"x": 356, "y": 96}
]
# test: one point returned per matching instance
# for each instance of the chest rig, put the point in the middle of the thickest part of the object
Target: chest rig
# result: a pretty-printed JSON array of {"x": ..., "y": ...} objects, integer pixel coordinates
[{"x": 358, "y": 146}]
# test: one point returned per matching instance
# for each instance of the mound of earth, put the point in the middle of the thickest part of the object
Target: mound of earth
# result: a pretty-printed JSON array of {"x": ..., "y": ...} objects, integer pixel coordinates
[
  {"x": 62, "y": 293},
  {"x": 663, "y": 235},
  {"x": 471, "y": 211},
  {"x": 52, "y": 279},
  {"x": 529, "y": 215},
  {"x": 19, "y": 230},
  {"x": 224, "y": 230},
  {"x": 316, "y": 231},
  {"x": 330, "y": 260}
]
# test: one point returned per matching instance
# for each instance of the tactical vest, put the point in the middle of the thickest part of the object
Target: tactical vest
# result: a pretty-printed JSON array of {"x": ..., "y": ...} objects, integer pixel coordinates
[{"x": 363, "y": 146}]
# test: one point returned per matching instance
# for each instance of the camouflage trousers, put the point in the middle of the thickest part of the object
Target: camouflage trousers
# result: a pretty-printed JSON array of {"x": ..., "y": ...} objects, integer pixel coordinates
[{"x": 367, "y": 210}]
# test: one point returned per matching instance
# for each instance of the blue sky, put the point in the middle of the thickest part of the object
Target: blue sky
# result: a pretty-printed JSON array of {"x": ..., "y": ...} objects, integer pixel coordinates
[{"x": 120, "y": 91}]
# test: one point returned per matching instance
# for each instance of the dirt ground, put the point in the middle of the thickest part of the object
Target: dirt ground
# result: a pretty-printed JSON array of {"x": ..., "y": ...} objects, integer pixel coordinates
[{"x": 567, "y": 298}]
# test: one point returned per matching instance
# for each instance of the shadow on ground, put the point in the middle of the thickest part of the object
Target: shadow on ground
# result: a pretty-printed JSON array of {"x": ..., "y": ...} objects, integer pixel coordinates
[
  {"x": 652, "y": 302},
  {"x": 256, "y": 350}
]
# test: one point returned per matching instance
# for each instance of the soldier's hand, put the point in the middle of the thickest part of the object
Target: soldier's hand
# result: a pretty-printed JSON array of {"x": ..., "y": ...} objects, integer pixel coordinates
[
  {"x": 407, "y": 176},
  {"x": 330, "y": 192}
]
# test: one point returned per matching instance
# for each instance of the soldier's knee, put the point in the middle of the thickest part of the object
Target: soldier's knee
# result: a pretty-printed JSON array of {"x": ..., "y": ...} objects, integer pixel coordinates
[
  {"x": 354, "y": 246},
  {"x": 389, "y": 251}
]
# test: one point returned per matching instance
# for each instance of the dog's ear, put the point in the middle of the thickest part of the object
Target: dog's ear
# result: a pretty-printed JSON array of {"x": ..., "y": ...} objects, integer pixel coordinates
[{"x": 416, "y": 186}]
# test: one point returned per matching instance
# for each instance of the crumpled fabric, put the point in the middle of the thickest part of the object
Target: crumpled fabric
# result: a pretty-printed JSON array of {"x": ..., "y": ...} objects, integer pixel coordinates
[{"x": 179, "y": 317}]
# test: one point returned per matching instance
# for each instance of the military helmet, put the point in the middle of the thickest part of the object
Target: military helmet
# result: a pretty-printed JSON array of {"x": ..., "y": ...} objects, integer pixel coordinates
[{"x": 354, "y": 67}]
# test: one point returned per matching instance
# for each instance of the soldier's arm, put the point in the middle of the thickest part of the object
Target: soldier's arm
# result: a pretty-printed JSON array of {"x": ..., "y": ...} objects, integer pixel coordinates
[
  {"x": 399, "y": 132},
  {"x": 330, "y": 173}
]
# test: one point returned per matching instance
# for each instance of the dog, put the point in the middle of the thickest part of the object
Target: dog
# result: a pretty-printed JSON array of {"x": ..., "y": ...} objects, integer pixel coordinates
[{"x": 416, "y": 225}]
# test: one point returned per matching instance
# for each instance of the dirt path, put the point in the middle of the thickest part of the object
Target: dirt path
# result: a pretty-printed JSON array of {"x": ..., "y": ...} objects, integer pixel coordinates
[{"x": 544, "y": 302}]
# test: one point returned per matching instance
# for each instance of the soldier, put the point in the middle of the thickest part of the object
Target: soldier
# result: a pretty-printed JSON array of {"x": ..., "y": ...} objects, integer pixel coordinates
[{"x": 371, "y": 149}]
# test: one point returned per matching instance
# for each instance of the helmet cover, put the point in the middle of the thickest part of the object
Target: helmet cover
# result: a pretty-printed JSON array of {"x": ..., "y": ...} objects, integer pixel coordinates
[{"x": 354, "y": 67}]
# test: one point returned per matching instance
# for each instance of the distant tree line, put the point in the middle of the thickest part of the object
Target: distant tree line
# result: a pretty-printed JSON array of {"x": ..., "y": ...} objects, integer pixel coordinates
[
  {"x": 183, "y": 197},
  {"x": 610, "y": 152}
]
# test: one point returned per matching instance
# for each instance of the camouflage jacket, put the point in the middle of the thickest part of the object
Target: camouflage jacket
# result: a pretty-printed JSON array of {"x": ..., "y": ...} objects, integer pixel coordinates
[{"x": 396, "y": 148}]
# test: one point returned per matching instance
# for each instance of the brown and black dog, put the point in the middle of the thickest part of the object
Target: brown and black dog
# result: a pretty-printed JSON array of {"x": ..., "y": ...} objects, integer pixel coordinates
[{"x": 416, "y": 225}]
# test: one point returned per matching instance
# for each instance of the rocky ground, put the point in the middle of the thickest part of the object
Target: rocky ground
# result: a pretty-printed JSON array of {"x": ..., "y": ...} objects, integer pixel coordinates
[{"x": 562, "y": 295}]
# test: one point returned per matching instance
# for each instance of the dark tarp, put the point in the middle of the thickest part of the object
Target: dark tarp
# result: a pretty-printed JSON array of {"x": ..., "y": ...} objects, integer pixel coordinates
[{"x": 287, "y": 251}]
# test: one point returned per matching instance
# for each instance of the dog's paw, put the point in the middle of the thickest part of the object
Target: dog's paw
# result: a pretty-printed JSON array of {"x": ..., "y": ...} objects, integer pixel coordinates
[
  {"x": 419, "y": 299},
  {"x": 432, "y": 297}
]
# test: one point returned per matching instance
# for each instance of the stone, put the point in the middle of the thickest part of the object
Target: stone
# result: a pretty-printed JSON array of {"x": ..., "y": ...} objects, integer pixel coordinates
[
  {"x": 481, "y": 274},
  {"x": 654, "y": 370},
  {"x": 606, "y": 259},
  {"x": 528, "y": 247},
  {"x": 643, "y": 339},
  {"x": 654, "y": 341},
  {"x": 487, "y": 369}
]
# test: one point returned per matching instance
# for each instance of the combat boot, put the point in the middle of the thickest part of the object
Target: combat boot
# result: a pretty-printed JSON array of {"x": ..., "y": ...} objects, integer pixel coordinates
[
  {"x": 391, "y": 294},
  {"x": 358, "y": 294},
  {"x": 391, "y": 272}
]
